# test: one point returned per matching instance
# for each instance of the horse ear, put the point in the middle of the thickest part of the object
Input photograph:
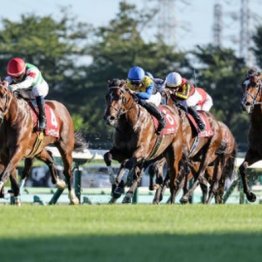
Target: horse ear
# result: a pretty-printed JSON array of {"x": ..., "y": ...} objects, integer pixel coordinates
[
  {"x": 109, "y": 83},
  {"x": 122, "y": 82}
]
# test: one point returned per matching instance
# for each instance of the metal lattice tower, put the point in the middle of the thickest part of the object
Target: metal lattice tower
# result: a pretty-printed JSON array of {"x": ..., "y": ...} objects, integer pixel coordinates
[
  {"x": 244, "y": 44},
  {"x": 166, "y": 23},
  {"x": 218, "y": 25}
]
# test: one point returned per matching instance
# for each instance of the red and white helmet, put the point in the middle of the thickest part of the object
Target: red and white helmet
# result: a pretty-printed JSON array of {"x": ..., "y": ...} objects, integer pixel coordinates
[
  {"x": 16, "y": 67},
  {"x": 173, "y": 80}
]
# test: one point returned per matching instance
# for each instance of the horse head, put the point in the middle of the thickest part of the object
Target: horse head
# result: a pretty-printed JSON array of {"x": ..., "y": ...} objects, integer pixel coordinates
[
  {"x": 252, "y": 96},
  {"x": 5, "y": 99},
  {"x": 118, "y": 101}
]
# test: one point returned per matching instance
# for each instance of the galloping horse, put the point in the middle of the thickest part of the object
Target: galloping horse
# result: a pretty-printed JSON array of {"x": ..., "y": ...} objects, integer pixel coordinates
[
  {"x": 135, "y": 139},
  {"x": 198, "y": 148},
  {"x": 251, "y": 103},
  {"x": 18, "y": 139},
  {"x": 214, "y": 175}
]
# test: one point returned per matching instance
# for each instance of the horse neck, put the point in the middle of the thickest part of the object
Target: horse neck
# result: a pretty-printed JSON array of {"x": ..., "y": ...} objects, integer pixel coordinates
[
  {"x": 256, "y": 117},
  {"x": 132, "y": 113},
  {"x": 16, "y": 110}
]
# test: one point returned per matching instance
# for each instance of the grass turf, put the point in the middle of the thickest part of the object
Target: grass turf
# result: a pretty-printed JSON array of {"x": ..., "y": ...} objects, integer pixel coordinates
[{"x": 131, "y": 233}]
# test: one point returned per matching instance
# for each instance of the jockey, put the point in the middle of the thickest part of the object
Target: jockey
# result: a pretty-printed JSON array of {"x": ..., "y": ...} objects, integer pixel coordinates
[
  {"x": 21, "y": 75},
  {"x": 144, "y": 88},
  {"x": 191, "y": 98}
]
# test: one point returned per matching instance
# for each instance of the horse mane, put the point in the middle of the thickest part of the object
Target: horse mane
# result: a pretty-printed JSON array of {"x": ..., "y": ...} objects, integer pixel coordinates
[{"x": 115, "y": 83}]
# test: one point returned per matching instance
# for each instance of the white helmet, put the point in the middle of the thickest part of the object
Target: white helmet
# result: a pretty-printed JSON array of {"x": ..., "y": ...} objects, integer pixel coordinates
[{"x": 173, "y": 79}]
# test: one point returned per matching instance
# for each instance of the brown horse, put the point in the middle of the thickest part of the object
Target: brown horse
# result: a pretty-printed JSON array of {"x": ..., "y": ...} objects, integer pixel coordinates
[
  {"x": 135, "y": 139},
  {"x": 19, "y": 140},
  {"x": 197, "y": 149},
  {"x": 251, "y": 103},
  {"x": 216, "y": 173}
]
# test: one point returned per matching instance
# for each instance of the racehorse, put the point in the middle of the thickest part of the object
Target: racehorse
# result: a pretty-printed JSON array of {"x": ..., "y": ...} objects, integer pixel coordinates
[
  {"x": 215, "y": 176},
  {"x": 19, "y": 139},
  {"x": 251, "y": 103},
  {"x": 135, "y": 139},
  {"x": 201, "y": 149}
]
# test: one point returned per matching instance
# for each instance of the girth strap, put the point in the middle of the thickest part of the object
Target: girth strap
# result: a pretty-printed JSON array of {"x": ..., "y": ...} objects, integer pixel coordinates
[
  {"x": 156, "y": 147},
  {"x": 38, "y": 142}
]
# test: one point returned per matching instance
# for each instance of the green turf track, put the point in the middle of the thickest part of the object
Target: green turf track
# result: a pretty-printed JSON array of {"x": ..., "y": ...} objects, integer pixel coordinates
[{"x": 131, "y": 233}]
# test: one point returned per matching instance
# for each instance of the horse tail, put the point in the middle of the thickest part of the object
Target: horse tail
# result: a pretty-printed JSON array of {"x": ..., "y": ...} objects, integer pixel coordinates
[
  {"x": 230, "y": 165},
  {"x": 80, "y": 142}
]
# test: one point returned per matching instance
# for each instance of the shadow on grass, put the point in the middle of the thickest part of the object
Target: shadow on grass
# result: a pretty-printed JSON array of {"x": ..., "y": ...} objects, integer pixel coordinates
[{"x": 163, "y": 247}]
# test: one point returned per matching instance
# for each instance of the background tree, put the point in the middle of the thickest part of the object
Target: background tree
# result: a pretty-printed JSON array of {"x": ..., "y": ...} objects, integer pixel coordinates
[{"x": 221, "y": 73}]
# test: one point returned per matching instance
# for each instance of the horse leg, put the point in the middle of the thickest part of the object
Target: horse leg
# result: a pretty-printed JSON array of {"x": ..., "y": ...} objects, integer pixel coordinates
[
  {"x": 137, "y": 178},
  {"x": 161, "y": 189},
  {"x": 26, "y": 171},
  {"x": 202, "y": 169},
  {"x": 67, "y": 159},
  {"x": 217, "y": 172},
  {"x": 175, "y": 159},
  {"x": 15, "y": 187},
  {"x": 47, "y": 158},
  {"x": 250, "y": 158}
]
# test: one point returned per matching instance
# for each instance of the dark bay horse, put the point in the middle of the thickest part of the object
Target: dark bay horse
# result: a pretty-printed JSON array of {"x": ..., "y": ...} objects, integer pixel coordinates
[
  {"x": 135, "y": 139},
  {"x": 251, "y": 103},
  {"x": 19, "y": 140}
]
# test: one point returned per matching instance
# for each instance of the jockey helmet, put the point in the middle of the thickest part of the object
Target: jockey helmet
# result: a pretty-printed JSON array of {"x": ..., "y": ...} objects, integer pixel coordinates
[
  {"x": 173, "y": 79},
  {"x": 16, "y": 67},
  {"x": 136, "y": 74}
]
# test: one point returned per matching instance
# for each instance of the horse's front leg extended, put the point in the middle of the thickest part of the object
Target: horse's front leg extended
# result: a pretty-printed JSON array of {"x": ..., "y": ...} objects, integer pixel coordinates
[
  {"x": 12, "y": 163},
  {"x": 250, "y": 159}
]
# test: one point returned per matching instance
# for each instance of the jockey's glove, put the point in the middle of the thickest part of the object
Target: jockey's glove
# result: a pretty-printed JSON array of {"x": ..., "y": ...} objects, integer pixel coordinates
[{"x": 12, "y": 88}]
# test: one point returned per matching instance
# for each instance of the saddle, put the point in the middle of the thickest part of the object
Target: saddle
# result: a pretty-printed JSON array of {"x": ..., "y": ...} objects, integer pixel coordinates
[{"x": 51, "y": 120}]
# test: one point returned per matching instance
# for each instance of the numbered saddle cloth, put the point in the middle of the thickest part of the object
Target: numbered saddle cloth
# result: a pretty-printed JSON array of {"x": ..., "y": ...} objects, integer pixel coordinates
[
  {"x": 51, "y": 120},
  {"x": 171, "y": 124}
]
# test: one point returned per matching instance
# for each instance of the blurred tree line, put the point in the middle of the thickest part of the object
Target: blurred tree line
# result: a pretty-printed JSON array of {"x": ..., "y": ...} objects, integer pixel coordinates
[{"x": 77, "y": 60}]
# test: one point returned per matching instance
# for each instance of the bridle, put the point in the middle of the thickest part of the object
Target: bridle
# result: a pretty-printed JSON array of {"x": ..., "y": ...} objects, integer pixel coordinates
[
  {"x": 253, "y": 97},
  {"x": 122, "y": 110}
]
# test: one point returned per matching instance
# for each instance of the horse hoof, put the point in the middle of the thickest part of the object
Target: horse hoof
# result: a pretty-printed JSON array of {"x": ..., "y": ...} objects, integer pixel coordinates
[
  {"x": 118, "y": 192},
  {"x": 127, "y": 200},
  {"x": 112, "y": 201},
  {"x": 61, "y": 184},
  {"x": 74, "y": 201},
  {"x": 251, "y": 197},
  {"x": 184, "y": 200}
]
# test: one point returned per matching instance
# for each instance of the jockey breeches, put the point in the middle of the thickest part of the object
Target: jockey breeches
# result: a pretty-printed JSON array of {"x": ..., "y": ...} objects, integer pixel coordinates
[
  {"x": 40, "y": 90},
  {"x": 196, "y": 100},
  {"x": 155, "y": 99}
]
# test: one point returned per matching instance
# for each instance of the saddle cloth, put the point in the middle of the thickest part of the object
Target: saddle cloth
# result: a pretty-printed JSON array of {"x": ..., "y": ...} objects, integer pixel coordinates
[
  {"x": 171, "y": 124},
  {"x": 51, "y": 121},
  {"x": 208, "y": 132}
]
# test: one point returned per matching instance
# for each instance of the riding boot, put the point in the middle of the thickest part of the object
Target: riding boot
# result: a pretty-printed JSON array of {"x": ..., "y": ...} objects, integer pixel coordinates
[
  {"x": 196, "y": 116},
  {"x": 153, "y": 110},
  {"x": 42, "y": 117}
]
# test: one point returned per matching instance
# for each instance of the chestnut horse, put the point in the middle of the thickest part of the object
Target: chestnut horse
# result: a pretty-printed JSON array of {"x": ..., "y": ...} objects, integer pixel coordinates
[
  {"x": 19, "y": 140},
  {"x": 197, "y": 149},
  {"x": 135, "y": 139},
  {"x": 214, "y": 175},
  {"x": 251, "y": 103}
]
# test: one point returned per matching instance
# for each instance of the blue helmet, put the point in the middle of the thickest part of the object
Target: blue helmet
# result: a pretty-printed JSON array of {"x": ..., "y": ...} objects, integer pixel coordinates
[{"x": 136, "y": 74}]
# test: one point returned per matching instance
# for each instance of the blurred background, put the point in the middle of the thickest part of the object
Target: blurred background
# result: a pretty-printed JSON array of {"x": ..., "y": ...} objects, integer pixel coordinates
[{"x": 80, "y": 44}]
